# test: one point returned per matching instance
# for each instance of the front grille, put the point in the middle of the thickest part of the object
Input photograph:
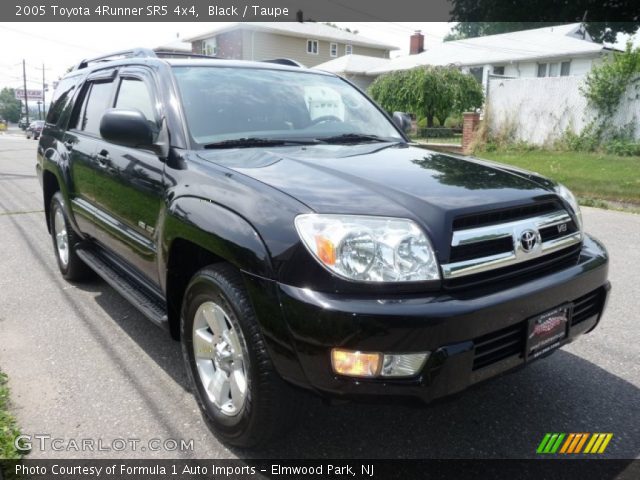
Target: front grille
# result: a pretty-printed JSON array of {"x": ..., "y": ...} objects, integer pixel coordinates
[
  {"x": 504, "y": 215},
  {"x": 587, "y": 306},
  {"x": 481, "y": 249},
  {"x": 497, "y": 346},
  {"x": 554, "y": 262},
  {"x": 494, "y": 251},
  {"x": 553, "y": 232}
]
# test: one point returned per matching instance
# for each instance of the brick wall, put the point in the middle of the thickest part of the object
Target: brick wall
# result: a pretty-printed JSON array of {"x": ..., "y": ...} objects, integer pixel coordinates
[{"x": 469, "y": 125}]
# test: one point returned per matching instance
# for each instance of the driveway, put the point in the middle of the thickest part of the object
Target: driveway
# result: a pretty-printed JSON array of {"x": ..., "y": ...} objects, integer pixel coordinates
[{"x": 83, "y": 364}]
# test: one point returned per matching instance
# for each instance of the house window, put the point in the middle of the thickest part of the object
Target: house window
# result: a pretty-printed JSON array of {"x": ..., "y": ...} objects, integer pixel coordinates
[
  {"x": 348, "y": 49},
  {"x": 312, "y": 47},
  {"x": 554, "y": 69},
  {"x": 333, "y": 50},
  {"x": 498, "y": 70},
  {"x": 542, "y": 69},
  {"x": 565, "y": 69},
  {"x": 210, "y": 47},
  {"x": 477, "y": 72}
]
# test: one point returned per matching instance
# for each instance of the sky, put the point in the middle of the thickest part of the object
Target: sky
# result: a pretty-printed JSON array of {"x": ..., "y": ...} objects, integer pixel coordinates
[{"x": 61, "y": 45}]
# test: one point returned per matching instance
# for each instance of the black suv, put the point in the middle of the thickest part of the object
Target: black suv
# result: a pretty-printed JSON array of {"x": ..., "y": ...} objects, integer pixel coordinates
[{"x": 280, "y": 224}]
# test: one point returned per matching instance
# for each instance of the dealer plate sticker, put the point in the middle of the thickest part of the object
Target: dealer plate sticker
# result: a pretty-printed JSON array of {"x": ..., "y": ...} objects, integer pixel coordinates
[{"x": 547, "y": 330}]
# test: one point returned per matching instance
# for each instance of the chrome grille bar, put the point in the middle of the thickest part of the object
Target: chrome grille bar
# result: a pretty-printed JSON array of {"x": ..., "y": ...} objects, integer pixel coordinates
[{"x": 517, "y": 254}]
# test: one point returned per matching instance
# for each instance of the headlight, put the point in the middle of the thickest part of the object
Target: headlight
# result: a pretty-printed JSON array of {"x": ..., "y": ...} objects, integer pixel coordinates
[
  {"x": 570, "y": 198},
  {"x": 369, "y": 249}
]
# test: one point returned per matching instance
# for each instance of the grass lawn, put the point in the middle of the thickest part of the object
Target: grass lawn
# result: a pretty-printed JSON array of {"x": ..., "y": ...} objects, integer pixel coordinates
[
  {"x": 591, "y": 176},
  {"x": 8, "y": 428}
]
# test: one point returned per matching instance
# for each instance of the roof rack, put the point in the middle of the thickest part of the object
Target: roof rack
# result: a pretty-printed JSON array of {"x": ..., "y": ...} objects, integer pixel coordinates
[
  {"x": 134, "y": 52},
  {"x": 285, "y": 61},
  {"x": 170, "y": 54}
]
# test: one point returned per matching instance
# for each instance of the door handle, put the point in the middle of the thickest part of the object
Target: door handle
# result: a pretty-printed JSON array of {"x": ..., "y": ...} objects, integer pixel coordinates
[{"x": 103, "y": 158}]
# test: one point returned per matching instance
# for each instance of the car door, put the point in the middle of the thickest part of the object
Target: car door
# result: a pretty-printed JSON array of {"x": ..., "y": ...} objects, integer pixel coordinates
[
  {"x": 129, "y": 189},
  {"x": 81, "y": 139}
]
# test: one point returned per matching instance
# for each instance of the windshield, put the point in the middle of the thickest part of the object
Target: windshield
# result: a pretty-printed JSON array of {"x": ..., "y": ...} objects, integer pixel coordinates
[{"x": 232, "y": 103}]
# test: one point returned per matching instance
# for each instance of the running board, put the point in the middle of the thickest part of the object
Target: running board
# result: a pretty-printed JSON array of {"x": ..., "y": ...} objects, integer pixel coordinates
[{"x": 140, "y": 297}]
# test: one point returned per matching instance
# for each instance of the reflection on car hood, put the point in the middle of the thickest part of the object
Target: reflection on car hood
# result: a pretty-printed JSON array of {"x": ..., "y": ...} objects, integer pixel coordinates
[{"x": 386, "y": 179}]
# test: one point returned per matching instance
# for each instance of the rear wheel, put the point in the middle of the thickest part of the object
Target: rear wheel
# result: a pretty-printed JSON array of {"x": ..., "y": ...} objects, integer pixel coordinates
[
  {"x": 65, "y": 241},
  {"x": 242, "y": 398}
]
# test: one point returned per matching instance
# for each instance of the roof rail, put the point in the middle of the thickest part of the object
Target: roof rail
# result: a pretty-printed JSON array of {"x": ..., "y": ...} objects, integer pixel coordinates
[
  {"x": 170, "y": 54},
  {"x": 285, "y": 61},
  {"x": 134, "y": 52}
]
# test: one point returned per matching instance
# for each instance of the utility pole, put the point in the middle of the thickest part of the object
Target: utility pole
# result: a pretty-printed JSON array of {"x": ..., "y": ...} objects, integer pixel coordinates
[
  {"x": 26, "y": 102},
  {"x": 44, "y": 104}
]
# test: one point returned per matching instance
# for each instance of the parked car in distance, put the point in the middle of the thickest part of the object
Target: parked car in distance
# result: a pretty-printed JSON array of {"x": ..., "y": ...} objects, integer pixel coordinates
[
  {"x": 22, "y": 123},
  {"x": 34, "y": 129},
  {"x": 281, "y": 226}
]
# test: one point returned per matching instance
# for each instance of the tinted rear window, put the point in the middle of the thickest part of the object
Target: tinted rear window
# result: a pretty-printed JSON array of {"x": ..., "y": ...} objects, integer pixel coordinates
[{"x": 61, "y": 101}]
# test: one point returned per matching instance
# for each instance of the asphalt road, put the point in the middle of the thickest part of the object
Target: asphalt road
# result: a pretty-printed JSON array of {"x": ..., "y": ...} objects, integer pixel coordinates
[{"x": 83, "y": 364}]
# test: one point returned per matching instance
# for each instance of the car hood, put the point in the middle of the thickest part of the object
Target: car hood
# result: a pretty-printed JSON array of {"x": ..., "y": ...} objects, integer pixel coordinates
[{"x": 383, "y": 179}]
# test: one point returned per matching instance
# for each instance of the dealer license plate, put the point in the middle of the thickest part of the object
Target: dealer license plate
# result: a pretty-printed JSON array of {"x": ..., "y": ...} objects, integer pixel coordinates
[{"x": 547, "y": 331}]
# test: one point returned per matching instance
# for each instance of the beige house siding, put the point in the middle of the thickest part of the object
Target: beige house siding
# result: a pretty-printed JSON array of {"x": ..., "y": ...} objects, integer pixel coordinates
[
  {"x": 263, "y": 46},
  {"x": 254, "y": 45}
]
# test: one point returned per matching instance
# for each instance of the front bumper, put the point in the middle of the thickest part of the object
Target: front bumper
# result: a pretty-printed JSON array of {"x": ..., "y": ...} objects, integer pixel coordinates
[{"x": 462, "y": 330}]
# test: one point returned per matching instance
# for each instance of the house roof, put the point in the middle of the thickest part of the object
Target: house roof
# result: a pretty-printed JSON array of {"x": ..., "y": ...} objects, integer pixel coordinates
[
  {"x": 175, "y": 46},
  {"x": 539, "y": 43},
  {"x": 353, "y": 64},
  {"x": 316, "y": 31}
]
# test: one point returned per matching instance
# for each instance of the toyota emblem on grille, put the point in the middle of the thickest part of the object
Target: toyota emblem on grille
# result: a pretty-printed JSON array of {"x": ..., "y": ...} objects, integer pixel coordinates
[{"x": 528, "y": 240}]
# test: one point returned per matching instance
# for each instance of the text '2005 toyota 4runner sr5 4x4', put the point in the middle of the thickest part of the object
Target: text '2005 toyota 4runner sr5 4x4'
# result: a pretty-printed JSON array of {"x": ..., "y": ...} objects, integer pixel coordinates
[{"x": 278, "y": 223}]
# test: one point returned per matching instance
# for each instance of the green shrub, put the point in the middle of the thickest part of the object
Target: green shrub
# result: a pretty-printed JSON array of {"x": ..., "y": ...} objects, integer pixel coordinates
[
  {"x": 622, "y": 148},
  {"x": 437, "y": 132}
]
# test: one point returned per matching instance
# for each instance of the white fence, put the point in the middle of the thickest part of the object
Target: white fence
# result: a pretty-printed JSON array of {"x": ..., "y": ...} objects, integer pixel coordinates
[{"x": 540, "y": 110}]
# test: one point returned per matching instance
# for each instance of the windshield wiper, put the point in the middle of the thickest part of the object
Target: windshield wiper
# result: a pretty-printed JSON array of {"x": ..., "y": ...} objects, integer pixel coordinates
[
  {"x": 247, "y": 142},
  {"x": 355, "y": 138}
]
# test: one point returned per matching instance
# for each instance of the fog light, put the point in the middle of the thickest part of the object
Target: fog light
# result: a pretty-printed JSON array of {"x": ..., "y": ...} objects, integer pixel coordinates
[
  {"x": 356, "y": 364},
  {"x": 405, "y": 365}
]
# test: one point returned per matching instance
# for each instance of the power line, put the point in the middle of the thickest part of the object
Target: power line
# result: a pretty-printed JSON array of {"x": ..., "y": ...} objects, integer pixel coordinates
[{"x": 54, "y": 40}]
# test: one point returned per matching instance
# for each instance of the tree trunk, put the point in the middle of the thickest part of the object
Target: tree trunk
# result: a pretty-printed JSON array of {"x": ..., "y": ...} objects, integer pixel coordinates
[{"x": 430, "y": 121}]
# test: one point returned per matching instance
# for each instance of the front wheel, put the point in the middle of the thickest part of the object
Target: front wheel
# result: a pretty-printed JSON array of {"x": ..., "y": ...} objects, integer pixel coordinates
[{"x": 242, "y": 398}]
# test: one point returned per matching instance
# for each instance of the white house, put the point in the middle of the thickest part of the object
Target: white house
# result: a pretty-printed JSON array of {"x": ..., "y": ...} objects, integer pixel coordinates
[
  {"x": 562, "y": 50},
  {"x": 355, "y": 68}
]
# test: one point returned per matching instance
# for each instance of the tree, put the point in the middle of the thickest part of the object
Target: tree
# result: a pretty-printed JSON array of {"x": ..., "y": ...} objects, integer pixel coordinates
[
  {"x": 432, "y": 92},
  {"x": 544, "y": 13},
  {"x": 606, "y": 83},
  {"x": 10, "y": 107}
]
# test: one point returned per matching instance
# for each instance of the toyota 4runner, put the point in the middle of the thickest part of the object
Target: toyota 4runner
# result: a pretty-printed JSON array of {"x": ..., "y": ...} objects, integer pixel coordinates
[{"x": 280, "y": 225}]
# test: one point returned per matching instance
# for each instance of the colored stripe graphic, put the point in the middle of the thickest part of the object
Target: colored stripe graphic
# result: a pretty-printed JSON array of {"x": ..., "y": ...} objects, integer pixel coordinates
[
  {"x": 573, "y": 443},
  {"x": 581, "y": 443},
  {"x": 543, "y": 443}
]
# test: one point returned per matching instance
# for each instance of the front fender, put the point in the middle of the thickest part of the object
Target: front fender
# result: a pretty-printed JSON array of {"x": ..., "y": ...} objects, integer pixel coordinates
[{"x": 216, "y": 229}]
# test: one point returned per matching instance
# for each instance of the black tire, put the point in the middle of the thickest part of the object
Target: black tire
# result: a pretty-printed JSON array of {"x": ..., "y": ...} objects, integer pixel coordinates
[
  {"x": 74, "y": 269},
  {"x": 270, "y": 404}
]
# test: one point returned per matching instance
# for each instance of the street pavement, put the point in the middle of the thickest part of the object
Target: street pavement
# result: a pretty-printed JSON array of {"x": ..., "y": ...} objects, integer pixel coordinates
[{"x": 84, "y": 364}]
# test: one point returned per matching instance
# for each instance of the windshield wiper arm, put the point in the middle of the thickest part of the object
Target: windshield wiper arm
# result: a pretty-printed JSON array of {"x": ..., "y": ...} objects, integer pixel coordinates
[
  {"x": 247, "y": 142},
  {"x": 355, "y": 138}
]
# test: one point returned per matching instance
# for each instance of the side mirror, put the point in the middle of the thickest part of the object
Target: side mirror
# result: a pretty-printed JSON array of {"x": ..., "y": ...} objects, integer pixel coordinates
[
  {"x": 402, "y": 121},
  {"x": 129, "y": 128}
]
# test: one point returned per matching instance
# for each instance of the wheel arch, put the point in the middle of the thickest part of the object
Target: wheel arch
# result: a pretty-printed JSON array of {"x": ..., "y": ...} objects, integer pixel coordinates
[
  {"x": 50, "y": 185},
  {"x": 197, "y": 233}
]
